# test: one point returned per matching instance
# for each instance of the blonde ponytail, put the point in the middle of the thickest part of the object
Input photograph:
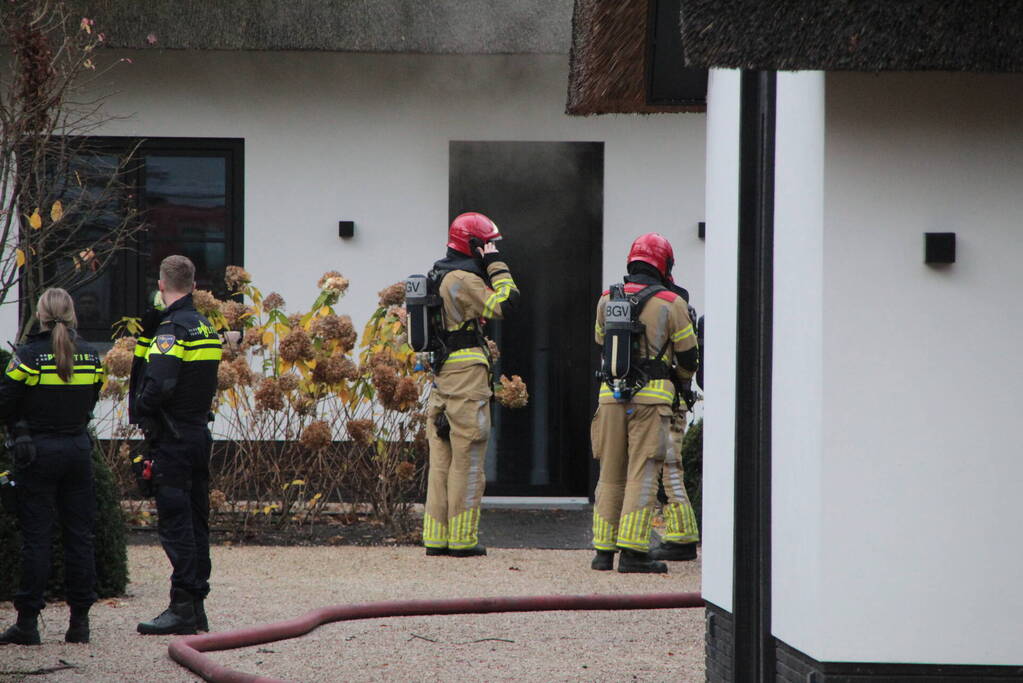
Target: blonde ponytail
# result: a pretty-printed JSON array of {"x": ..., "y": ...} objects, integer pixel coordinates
[{"x": 56, "y": 312}]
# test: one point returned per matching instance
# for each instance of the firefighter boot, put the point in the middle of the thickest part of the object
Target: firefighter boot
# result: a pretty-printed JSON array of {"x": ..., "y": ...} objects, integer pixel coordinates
[
  {"x": 201, "y": 622},
  {"x": 475, "y": 551},
  {"x": 177, "y": 619},
  {"x": 24, "y": 632},
  {"x": 636, "y": 562},
  {"x": 603, "y": 561},
  {"x": 436, "y": 552},
  {"x": 78, "y": 628},
  {"x": 674, "y": 552}
]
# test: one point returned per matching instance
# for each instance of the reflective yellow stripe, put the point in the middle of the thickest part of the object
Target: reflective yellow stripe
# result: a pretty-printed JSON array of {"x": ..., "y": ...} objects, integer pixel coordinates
[
  {"x": 77, "y": 379},
  {"x": 89, "y": 366},
  {"x": 603, "y": 533},
  {"x": 503, "y": 288},
  {"x": 435, "y": 534},
  {"x": 23, "y": 373},
  {"x": 464, "y": 529},
  {"x": 684, "y": 333},
  {"x": 473, "y": 355},
  {"x": 213, "y": 353},
  {"x": 635, "y": 530},
  {"x": 200, "y": 342},
  {"x": 655, "y": 388}
]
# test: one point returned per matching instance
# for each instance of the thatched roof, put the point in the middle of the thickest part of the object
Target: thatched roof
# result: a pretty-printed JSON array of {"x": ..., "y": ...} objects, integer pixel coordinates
[
  {"x": 608, "y": 73},
  {"x": 419, "y": 26},
  {"x": 859, "y": 35}
]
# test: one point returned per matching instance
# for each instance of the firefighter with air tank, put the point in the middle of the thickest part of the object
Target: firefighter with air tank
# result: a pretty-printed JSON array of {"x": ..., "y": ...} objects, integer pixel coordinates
[
  {"x": 649, "y": 356},
  {"x": 446, "y": 312}
]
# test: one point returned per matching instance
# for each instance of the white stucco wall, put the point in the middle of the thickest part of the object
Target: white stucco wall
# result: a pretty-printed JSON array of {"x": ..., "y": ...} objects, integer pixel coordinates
[
  {"x": 719, "y": 372},
  {"x": 797, "y": 390},
  {"x": 920, "y": 482},
  {"x": 332, "y": 136}
]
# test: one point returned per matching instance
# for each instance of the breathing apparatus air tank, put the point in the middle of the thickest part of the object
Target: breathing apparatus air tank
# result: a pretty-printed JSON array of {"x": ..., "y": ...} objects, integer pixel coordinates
[
  {"x": 618, "y": 332},
  {"x": 418, "y": 302}
]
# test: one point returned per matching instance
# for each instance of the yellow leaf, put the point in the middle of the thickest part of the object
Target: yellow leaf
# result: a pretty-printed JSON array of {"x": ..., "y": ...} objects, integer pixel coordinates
[
  {"x": 298, "y": 482},
  {"x": 20, "y": 256},
  {"x": 324, "y": 311},
  {"x": 56, "y": 211},
  {"x": 268, "y": 338},
  {"x": 35, "y": 220},
  {"x": 316, "y": 497}
]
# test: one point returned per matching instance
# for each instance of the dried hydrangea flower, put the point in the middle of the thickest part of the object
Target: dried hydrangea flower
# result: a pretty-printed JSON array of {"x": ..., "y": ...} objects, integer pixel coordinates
[
  {"x": 273, "y": 302},
  {"x": 361, "y": 431},
  {"x": 118, "y": 359},
  {"x": 268, "y": 395},
  {"x": 405, "y": 470},
  {"x": 335, "y": 327},
  {"x": 233, "y": 312},
  {"x": 316, "y": 436},
  {"x": 512, "y": 392},
  {"x": 296, "y": 346},
  {"x": 288, "y": 381},
  {"x": 393, "y": 295},
  {"x": 236, "y": 277},
  {"x": 227, "y": 376},
  {"x": 205, "y": 302}
]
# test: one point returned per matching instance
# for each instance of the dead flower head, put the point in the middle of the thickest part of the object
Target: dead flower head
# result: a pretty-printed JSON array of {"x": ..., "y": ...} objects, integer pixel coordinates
[
  {"x": 335, "y": 327},
  {"x": 273, "y": 302},
  {"x": 385, "y": 379},
  {"x": 405, "y": 470},
  {"x": 330, "y": 369},
  {"x": 268, "y": 395},
  {"x": 303, "y": 404},
  {"x": 113, "y": 389},
  {"x": 316, "y": 436},
  {"x": 512, "y": 392},
  {"x": 253, "y": 339},
  {"x": 296, "y": 346},
  {"x": 495, "y": 352},
  {"x": 398, "y": 312},
  {"x": 405, "y": 396},
  {"x": 288, "y": 382},
  {"x": 119, "y": 358},
  {"x": 294, "y": 320},
  {"x": 393, "y": 295},
  {"x": 333, "y": 282},
  {"x": 361, "y": 431},
  {"x": 236, "y": 277},
  {"x": 218, "y": 501},
  {"x": 227, "y": 376},
  {"x": 243, "y": 370},
  {"x": 233, "y": 312},
  {"x": 205, "y": 302}
]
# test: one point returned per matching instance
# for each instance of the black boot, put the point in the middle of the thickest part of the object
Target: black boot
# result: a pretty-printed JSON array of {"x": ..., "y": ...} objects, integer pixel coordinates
[
  {"x": 475, "y": 551},
  {"x": 78, "y": 629},
  {"x": 177, "y": 619},
  {"x": 674, "y": 552},
  {"x": 201, "y": 622},
  {"x": 24, "y": 632},
  {"x": 603, "y": 561},
  {"x": 635, "y": 562},
  {"x": 434, "y": 552}
]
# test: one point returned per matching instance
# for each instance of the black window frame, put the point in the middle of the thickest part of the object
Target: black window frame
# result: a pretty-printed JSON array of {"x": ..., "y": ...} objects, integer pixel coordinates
[{"x": 130, "y": 284}]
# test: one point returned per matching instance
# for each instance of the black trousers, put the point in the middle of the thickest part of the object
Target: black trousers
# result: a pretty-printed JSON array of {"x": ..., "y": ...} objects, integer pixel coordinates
[
  {"x": 59, "y": 484},
  {"x": 181, "y": 472}
]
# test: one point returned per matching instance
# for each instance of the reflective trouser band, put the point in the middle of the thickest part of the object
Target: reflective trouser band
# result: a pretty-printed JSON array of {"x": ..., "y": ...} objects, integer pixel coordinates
[
  {"x": 464, "y": 529},
  {"x": 634, "y": 530},
  {"x": 661, "y": 389},
  {"x": 604, "y": 533},
  {"x": 680, "y": 524},
  {"x": 473, "y": 355},
  {"x": 435, "y": 534}
]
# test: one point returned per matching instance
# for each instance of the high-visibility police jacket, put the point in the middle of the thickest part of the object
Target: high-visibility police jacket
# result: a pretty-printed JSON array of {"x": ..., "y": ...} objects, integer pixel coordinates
[
  {"x": 467, "y": 297},
  {"x": 175, "y": 368},
  {"x": 31, "y": 389},
  {"x": 668, "y": 327}
]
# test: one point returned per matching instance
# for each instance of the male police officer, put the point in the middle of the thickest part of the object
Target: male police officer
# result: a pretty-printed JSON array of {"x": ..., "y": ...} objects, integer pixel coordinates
[
  {"x": 630, "y": 431},
  {"x": 173, "y": 382},
  {"x": 474, "y": 286}
]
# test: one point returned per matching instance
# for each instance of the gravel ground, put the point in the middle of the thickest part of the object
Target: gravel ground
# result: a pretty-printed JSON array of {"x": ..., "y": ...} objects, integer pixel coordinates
[{"x": 254, "y": 584}]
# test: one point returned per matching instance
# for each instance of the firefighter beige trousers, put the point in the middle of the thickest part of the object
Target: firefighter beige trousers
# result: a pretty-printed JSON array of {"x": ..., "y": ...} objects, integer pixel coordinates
[
  {"x": 457, "y": 476},
  {"x": 679, "y": 518},
  {"x": 632, "y": 442}
]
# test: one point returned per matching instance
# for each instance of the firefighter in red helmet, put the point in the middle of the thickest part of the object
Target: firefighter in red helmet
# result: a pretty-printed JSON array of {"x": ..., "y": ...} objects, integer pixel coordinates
[
  {"x": 649, "y": 354},
  {"x": 474, "y": 286}
]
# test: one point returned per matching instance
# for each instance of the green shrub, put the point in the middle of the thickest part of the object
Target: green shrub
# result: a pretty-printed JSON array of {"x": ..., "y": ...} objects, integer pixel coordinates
[
  {"x": 692, "y": 463},
  {"x": 110, "y": 542}
]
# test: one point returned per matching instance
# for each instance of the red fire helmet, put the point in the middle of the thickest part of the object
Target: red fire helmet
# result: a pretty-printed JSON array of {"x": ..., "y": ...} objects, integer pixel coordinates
[
  {"x": 469, "y": 225},
  {"x": 654, "y": 249}
]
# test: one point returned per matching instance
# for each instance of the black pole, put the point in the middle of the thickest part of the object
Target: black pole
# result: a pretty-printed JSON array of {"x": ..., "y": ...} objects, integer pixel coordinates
[{"x": 753, "y": 659}]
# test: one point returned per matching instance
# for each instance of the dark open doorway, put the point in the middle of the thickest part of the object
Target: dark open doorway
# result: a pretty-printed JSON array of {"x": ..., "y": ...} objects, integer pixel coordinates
[{"x": 547, "y": 198}]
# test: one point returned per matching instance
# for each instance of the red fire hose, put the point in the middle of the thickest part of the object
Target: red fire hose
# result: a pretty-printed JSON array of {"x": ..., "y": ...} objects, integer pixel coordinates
[{"x": 188, "y": 651}]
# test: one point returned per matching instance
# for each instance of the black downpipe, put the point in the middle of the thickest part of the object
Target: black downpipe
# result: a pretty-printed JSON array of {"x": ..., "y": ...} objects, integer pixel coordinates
[{"x": 753, "y": 659}]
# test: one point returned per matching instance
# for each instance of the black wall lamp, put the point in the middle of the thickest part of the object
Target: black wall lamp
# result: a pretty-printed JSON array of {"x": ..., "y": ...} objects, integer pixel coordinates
[
  {"x": 701, "y": 230},
  {"x": 345, "y": 229},
  {"x": 939, "y": 247}
]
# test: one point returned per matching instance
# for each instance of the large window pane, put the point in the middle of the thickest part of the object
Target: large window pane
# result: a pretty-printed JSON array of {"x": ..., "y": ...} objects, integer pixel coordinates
[
  {"x": 210, "y": 259},
  {"x": 186, "y": 197}
]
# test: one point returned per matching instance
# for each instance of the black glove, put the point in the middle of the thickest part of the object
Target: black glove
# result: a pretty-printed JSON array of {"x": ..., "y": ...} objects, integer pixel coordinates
[
  {"x": 21, "y": 446},
  {"x": 442, "y": 425}
]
